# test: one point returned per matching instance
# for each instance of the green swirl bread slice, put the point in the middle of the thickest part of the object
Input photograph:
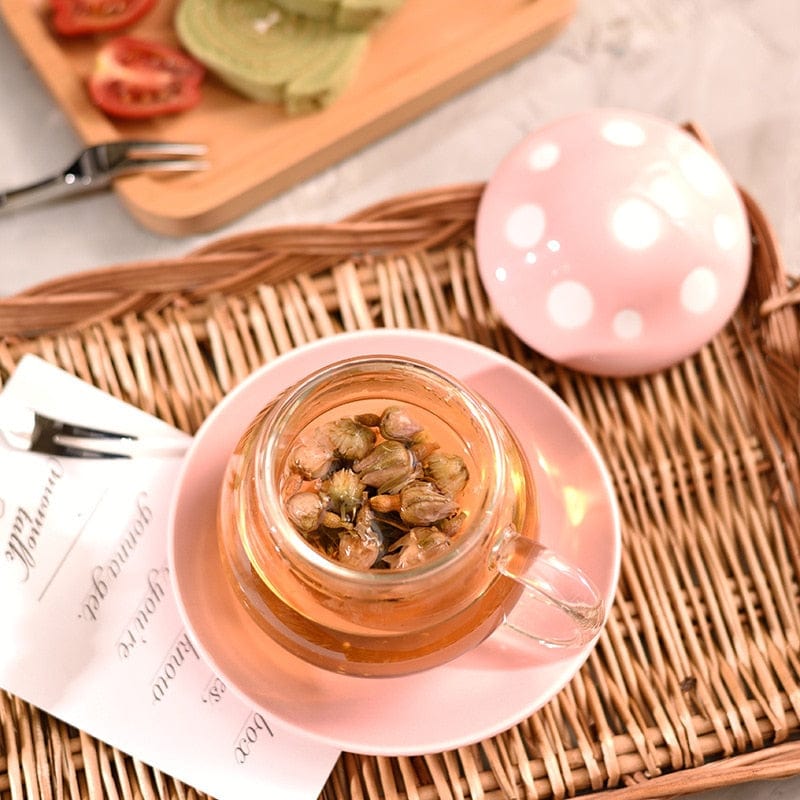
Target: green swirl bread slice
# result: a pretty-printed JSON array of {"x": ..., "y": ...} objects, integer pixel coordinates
[
  {"x": 269, "y": 55},
  {"x": 343, "y": 13}
]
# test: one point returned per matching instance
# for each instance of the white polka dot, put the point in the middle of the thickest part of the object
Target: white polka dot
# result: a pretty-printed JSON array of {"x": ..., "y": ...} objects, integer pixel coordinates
[
  {"x": 525, "y": 225},
  {"x": 636, "y": 223},
  {"x": 570, "y": 304},
  {"x": 501, "y": 274},
  {"x": 699, "y": 290},
  {"x": 725, "y": 231},
  {"x": 702, "y": 172},
  {"x": 624, "y": 132},
  {"x": 627, "y": 324},
  {"x": 669, "y": 195},
  {"x": 544, "y": 156}
]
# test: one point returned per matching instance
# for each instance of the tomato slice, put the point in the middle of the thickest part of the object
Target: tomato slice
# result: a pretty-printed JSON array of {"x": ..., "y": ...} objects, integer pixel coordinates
[
  {"x": 79, "y": 17},
  {"x": 138, "y": 79}
]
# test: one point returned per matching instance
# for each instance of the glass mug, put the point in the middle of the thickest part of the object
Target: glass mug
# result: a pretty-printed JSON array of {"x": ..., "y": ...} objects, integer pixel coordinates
[{"x": 385, "y": 622}]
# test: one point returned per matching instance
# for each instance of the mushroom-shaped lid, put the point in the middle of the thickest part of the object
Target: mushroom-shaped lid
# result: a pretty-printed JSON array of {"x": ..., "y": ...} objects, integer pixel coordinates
[{"x": 613, "y": 242}]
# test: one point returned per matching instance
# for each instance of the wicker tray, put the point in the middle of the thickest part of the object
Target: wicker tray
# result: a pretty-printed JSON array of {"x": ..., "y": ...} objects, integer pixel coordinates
[{"x": 695, "y": 682}]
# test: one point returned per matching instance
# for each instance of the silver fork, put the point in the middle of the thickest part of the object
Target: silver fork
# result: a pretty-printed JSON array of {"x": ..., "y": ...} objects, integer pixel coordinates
[
  {"x": 35, "y": 432},
  {"x": 97, "y": 166}
]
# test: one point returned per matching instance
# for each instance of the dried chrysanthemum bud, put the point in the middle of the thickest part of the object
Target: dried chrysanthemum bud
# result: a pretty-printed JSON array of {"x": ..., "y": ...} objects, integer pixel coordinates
[
  {"x": 345, "y": 491},
  {"x": 396, "y": 483},
  {"x": 422, "y": 446},
  {"x": 450, "y": 526},
  {"x": 366, "y": 524},
  {"x": 388, "y": 461},
  {"x": 397, "y": 424},
  {"x": 418, "y": 546},
  {"x": 369, "y": 419},
  {"x": 448, "y": 472},
  {"x": 304, "y": 509},
  {"x": 311, "y": 460},
  {"x": 333, "y": 521},
  {"x": 293, "y": 483},
  {"x": 359, "y": 549},
  {"x": 385, "y": 503},
  {"x": 421, "y": 503},
  {"x": 350, "y": 440}
]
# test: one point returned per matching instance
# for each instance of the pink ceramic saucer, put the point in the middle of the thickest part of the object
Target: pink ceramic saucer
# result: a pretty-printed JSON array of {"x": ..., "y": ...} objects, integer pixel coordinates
[{"x": 479, "y": 694}]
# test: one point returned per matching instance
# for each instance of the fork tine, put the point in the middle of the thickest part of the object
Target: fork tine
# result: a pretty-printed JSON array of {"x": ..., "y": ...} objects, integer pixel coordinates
[
  {"x": 70, "y": 451},
  {"x": 159, "y": 165},
  {"x": 135, "y": 146},
  {"x": 54, "y": 428},
  {"x": 96, "y": 166},
  {"x": 38, "y": 433}
]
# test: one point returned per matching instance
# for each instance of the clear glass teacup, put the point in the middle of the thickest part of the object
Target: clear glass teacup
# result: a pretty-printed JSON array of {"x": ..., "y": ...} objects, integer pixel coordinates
[{"x": 381, "y": 573}]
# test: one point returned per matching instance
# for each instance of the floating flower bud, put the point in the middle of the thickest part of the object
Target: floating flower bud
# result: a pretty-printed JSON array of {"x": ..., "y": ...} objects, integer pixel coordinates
[
  {"x": 422, "y": 446},
  {"x": 333, "y": 522},
  {"x": 304, "y": 509},
  {"x": 451, "y": 525},
  {"x": 389, "y": 461},
  {"x": 311, "y": 460},
  {"x": 396, "y": 483},
  {"x": 292, "y": 484},
  {"x": 397, "y": 424},
  {"x": 367, "y": 525},
  {"x": 369, "y": 419},
  {"x": 448, "y": 472},
  {"x": 385, "y": 503},
  {"x": 359, "y": 549},
  {"x": 421, "y": 503},
  {"x": 345, "y": 491},
  {"x": 350, "y": 439},
  {"x": 418, "y": 546}
]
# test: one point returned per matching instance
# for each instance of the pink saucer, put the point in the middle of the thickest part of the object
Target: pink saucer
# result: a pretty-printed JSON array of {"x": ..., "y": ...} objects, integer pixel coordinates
[{"x": 479, "y": 694}]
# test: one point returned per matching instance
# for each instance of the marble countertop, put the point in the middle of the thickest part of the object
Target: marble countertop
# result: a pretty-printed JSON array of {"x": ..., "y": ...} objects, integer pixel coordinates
[{"x": 731, "y": 66}]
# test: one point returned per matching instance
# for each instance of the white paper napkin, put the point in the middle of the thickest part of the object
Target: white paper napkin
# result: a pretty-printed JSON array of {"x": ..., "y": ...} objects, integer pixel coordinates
[{"x": 90, "y": 631}]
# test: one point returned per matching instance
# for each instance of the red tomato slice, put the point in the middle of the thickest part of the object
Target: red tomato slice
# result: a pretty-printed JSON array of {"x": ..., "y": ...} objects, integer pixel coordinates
[
  {"x": 78, "y": 17},
  {"x": 136, "y": 79}
]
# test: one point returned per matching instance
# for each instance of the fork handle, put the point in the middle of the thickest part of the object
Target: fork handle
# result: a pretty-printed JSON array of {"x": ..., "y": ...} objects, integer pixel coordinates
[{"x": 42, "y": 191}]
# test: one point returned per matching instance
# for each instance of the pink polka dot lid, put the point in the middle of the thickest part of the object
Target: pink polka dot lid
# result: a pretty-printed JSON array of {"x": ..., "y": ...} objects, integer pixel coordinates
[{"x": 613, "y": 242}]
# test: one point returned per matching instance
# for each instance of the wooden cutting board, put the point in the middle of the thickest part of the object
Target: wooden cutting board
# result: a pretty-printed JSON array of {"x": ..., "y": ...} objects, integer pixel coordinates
[{"x": 426, "y": 52}]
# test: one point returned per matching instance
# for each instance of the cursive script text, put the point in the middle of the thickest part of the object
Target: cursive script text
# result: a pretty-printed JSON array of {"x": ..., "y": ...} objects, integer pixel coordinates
[
  {"x": 170, "y": 667},
  {"x": 135, "y": 632},
  {"x": 254, "y": 728},
  {"x": 104, "y": 575},
  {"x": 28, "y": 524}
]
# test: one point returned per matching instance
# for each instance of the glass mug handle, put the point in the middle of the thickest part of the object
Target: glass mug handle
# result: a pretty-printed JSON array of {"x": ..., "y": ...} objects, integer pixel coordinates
[{"x": 549, "y": 581}]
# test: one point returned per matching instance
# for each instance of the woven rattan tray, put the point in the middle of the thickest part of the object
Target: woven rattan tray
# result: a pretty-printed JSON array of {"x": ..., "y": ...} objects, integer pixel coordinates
[{"x": 696, "y": 680}]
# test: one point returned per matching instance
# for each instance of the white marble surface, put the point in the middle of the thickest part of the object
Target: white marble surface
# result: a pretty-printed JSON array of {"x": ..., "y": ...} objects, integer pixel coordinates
[{"x": 732, "y": 66}]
